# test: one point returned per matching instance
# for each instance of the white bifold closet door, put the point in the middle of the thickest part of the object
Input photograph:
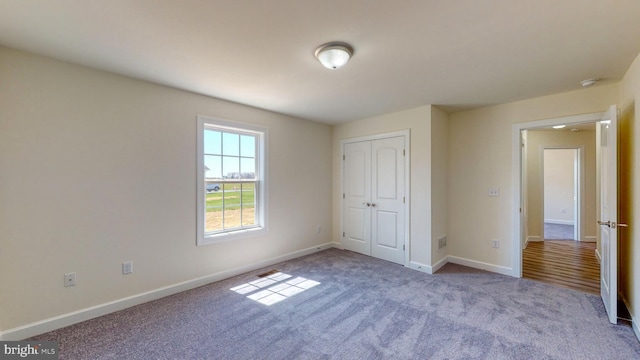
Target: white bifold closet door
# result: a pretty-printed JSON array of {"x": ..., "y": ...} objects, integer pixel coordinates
[{"x": 373, "y": 199}]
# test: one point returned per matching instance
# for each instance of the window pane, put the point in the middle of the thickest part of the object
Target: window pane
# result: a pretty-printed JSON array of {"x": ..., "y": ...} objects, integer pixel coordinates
[
  {"x": 231, "y": 144},
  {"x": 231, "y": 167},
  {"x": 212, "y": 142},
  {"x": 232, "y": 201},
  {"x": 248, "y": 204},
  {"x": 213, "y": 166},
  {"x": 248, "y": 146},
  {"x": 248, "y": 168},
  {"x": 213, "y": 213}
]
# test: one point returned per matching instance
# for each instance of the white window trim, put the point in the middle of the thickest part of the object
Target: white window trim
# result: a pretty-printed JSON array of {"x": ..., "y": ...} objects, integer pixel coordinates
[{"x": 262, "y": 133}]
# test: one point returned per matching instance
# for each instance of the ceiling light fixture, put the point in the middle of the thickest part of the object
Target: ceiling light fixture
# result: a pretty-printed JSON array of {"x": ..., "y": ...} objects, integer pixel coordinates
[
  {"x": 334, "y": 55},
  {"x": 559, "y": 126},
  {"x": 589, "y": 82}
]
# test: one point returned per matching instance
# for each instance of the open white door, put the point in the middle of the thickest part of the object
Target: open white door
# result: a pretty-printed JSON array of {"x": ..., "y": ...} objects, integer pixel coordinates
[
  {"x": 608, "y": 143},
  {"x": 577, "y": 222}
]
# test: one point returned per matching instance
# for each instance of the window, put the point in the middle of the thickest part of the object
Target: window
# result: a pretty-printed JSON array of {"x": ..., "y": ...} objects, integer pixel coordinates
[{"x": 231, "y": 180}]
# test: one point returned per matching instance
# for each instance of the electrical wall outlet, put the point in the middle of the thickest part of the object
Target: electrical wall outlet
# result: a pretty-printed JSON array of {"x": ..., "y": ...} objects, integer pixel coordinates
[
  {"x": 127, "y": 267},
  {"x": 494, "y": 192},
  {"x": 495, "y": 244},
  {"x": 70, "y": 279}
]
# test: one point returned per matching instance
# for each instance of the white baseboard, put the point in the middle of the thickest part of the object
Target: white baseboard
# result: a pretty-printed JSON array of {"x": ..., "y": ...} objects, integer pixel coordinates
[
  {"x": 530, "y": 239},
  {"x": 559, "y": 222},
  {"x": 598, "y": 256},
  {"x": 481, "y": 265},
  {"x": 57, "y": 322},
  {"x": 420, "y": 267},
  {"x": 533, "y": 239},
  {"x": 440, "y": 264},
  {"x": 337, "y": 245},
  {"x": 590, "y": 239},
  {"x": 460, "y": 261},
  {"x": 634, "y": 325},
  {"x": 427, "y": 268}
]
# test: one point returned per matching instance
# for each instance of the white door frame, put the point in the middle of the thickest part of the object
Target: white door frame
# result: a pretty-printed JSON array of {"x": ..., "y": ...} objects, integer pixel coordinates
[
  {"x": 578, "y": 183},
  {"x": 516, "y": 180},
  {"x": 407, "y": 171}
]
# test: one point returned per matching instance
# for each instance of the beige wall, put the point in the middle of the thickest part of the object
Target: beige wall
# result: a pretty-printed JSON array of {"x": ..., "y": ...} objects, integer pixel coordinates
[
  {"x": 536, "y": 139},
  {"x": 559, "y": 186},
  {"x": 480, "y": 157},
  {"x": 418, "y": 120},
  {"x": 629, "y": 189},
  {"x": 439, "y": 179},
  {"x": 97, "y": 169}
]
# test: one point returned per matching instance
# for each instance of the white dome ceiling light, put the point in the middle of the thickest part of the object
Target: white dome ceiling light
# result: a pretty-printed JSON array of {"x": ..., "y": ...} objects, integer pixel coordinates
[
  {"x": 589, "y": 82},
  {"x": 334, "y": 55}
]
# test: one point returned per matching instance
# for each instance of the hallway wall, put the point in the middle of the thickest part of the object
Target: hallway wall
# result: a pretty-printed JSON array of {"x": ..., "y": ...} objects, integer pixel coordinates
[{"x": 536, "y": 140}]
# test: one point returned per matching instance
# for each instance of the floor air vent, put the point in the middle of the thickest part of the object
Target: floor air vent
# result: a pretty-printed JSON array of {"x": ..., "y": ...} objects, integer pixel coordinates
[{"x": 270, "y": 272}]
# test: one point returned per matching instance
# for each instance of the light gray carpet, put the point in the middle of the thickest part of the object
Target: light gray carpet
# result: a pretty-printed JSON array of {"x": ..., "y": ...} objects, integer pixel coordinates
[
  {"x": 558, "y": 232},
  {"x": 363, "y": 308}
]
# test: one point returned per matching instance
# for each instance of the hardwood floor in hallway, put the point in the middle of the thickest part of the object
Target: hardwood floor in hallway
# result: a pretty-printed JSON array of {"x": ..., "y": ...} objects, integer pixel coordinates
[{"x": 566, "y": 263}]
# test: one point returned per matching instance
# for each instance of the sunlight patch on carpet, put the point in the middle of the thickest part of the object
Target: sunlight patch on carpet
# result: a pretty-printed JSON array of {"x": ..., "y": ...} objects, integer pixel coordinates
[{"x": 274, "y": 288}]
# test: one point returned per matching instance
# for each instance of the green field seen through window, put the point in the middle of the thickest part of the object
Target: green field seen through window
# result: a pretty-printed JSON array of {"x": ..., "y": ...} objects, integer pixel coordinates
[{"x": 231, "y": 196}]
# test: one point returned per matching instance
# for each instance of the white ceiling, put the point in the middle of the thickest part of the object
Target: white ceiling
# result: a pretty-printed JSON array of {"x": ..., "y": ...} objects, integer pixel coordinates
[{"x": 458, "y": 54}]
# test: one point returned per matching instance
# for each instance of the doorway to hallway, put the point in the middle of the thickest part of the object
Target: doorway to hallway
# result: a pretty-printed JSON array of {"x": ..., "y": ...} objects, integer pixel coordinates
[
  {"x": 560, "y": 168},
  {"x": 561, "y": 195}
]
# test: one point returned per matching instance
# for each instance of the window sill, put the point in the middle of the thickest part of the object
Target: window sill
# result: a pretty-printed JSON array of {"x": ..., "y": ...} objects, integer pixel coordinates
[{"x": 231, "y": 235}]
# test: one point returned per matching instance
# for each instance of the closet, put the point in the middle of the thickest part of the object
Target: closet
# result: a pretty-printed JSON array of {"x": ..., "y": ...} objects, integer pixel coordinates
[{"x": 374, "y": 196}]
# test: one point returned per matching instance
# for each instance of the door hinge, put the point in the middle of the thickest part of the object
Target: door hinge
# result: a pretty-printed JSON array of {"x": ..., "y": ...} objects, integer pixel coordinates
[
  {"x": 403, "y": 152},
  {"x": 343, "y": 196},
  {"x": 343, "y": 234},
  {"x": 403, "y": 199},
  {"x": 402, "y": 247},
  {"x": 344, "y": 157}
]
